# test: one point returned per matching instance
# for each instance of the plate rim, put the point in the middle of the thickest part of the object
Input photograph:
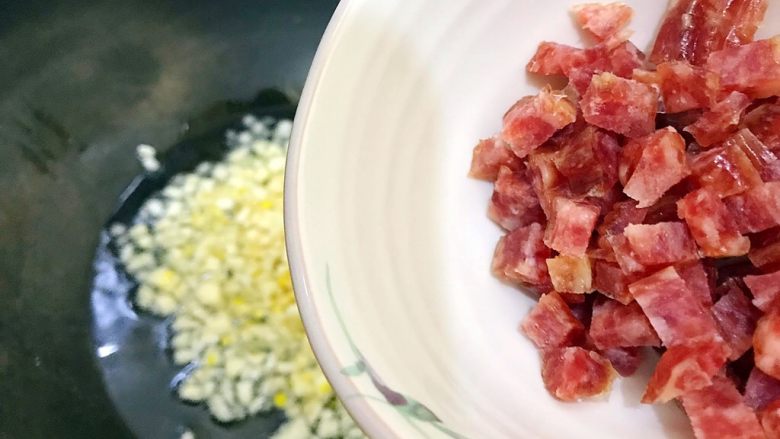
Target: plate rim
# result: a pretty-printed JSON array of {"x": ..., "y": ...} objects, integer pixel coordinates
[{"x": 366, "y": 417}]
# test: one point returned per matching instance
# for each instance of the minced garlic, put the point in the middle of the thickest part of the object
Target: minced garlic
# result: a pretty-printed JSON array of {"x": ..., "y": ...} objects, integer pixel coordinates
[{"x": 208, "y": 250}]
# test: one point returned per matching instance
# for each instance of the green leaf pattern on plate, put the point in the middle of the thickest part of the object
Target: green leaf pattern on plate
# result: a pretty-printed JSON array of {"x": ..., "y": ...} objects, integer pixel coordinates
[
  {"x": 354, "y": 370},
  {"x": 411, "y": 409}
]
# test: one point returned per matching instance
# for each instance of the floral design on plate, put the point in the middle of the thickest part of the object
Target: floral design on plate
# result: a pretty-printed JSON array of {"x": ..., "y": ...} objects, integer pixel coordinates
[{"x": 412, "y": 410}]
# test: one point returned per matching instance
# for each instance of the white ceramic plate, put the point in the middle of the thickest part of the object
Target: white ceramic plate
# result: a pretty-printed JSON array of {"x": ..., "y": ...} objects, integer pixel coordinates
[{"x": 388, "y": 240}]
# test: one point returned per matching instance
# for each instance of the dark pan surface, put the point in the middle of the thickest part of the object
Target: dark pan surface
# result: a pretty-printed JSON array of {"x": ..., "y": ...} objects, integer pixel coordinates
[{"x": 81, "y": 84}]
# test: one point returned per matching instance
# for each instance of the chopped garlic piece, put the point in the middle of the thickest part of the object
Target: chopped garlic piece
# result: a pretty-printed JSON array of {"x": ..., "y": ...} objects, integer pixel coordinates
[{"x": 147, "y": 155}]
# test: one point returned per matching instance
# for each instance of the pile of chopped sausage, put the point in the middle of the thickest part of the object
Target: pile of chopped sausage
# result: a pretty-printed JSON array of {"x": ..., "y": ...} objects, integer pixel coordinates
[{"x": 642, "y": 203}]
